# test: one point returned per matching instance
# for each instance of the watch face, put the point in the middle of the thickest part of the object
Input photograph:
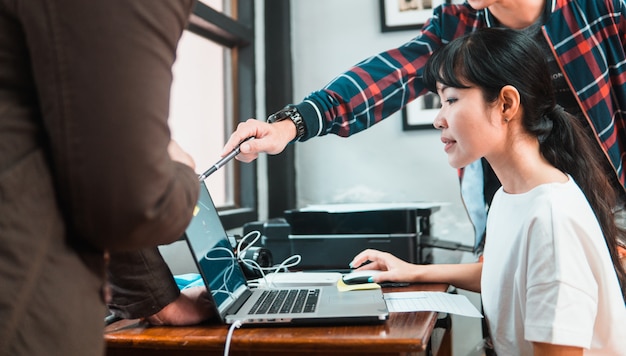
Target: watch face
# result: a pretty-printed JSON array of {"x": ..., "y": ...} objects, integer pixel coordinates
[
  {"x": 292, "y": 114},
  {"x": 280, "y": 115}
]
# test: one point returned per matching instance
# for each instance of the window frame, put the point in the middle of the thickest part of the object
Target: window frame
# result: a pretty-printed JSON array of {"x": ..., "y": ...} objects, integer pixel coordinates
[
  {"x": 281, "y": 170},
  {"x": 237, "y": 34}
]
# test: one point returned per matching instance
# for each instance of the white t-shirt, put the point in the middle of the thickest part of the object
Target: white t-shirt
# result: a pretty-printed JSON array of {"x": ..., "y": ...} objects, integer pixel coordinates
[{"x": 548, "y": 276}]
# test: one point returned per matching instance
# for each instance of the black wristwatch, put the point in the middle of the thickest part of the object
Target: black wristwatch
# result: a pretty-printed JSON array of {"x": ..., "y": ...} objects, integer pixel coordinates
[{"x": 291, "y": 113}]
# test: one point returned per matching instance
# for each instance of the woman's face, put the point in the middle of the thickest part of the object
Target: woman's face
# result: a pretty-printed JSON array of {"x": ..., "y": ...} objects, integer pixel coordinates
[{"x": 470, "y": 127}]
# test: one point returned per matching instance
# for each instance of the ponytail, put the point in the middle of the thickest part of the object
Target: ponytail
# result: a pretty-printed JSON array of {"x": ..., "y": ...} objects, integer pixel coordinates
[{"x": 566, "y": 145}]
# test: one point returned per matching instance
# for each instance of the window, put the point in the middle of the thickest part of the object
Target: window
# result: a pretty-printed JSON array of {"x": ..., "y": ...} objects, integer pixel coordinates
[
  {"x": 198, "y": 110},
  {"x": 213, "y": 87}
]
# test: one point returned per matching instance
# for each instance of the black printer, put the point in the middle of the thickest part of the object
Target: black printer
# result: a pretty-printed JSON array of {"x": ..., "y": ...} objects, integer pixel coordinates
[{"x": 329, "y": 236}]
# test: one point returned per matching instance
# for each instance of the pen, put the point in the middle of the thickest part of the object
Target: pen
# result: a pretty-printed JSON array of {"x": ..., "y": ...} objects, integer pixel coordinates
[{"x": 223, "y": 161}]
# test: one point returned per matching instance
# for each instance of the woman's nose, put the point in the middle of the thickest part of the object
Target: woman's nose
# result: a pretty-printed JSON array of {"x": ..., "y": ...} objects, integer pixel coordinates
[{"x": 439, "y": 122}]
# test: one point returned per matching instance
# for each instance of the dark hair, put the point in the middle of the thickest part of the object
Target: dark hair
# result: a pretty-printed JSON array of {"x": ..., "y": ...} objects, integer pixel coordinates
[{"x": 493, "y": 58}]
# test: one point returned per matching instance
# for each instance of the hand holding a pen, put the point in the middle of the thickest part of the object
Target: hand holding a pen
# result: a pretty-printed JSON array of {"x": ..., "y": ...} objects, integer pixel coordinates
[
  {"x": 269, "y": 138},
  {"x": 232, "y": 154}
]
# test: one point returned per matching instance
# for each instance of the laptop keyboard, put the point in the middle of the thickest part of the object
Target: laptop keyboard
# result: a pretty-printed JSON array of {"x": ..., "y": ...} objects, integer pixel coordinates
[{"x": 285, "y": 301}]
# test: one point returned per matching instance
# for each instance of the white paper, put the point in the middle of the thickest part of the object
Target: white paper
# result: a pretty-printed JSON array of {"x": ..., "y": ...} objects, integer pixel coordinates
[
  {"x": 431, "y": 301},
  {"x": 355, "y": 207},
  {"x": 298, "y": 279}
]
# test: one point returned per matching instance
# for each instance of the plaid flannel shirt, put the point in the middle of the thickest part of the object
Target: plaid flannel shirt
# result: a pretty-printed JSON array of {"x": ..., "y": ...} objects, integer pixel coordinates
[{"x": 587, "y": 36}]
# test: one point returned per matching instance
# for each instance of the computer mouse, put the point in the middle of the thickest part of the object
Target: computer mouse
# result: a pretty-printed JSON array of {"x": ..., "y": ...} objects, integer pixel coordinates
[{"x": 359, "y": 277}]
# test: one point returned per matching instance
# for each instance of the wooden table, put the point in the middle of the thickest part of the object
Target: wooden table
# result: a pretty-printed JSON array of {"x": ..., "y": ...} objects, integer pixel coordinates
[{"x": 401, "y": 334}]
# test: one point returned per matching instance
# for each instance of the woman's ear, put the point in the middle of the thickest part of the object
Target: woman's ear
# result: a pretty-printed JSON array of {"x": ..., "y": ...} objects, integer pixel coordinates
[{"x": 509, "y": 102}]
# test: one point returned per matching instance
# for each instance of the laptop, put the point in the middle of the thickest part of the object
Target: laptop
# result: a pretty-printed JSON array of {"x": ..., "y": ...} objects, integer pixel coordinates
[{"x": 236, "y": 301}]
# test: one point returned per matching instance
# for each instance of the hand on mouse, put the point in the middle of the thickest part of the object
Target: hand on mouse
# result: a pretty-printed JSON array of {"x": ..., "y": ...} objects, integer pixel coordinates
[
  {"x": 392, "y": 268},
  {"x": 360, "y": 276}
]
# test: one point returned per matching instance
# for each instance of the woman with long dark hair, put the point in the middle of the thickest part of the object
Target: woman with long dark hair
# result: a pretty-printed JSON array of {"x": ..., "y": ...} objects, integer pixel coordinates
[{"x": 551, "y": 280}]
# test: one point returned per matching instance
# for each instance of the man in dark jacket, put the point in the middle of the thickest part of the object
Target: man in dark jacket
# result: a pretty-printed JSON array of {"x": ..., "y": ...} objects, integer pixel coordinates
[{"x": 86, "y": 160}]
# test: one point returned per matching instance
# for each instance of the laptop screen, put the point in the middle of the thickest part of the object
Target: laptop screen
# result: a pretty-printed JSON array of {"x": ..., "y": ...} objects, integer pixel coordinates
[{"x": 214, "y": 253}]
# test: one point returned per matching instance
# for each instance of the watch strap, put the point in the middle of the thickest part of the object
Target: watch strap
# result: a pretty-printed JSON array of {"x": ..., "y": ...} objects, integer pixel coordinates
[{"x": 291, "y": 113}]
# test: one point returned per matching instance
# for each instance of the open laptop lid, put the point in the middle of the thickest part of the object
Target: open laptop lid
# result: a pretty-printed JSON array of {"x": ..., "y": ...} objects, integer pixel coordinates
[
  {"x": 226, "y": 282},
  {"x": 214, "y": 255}
]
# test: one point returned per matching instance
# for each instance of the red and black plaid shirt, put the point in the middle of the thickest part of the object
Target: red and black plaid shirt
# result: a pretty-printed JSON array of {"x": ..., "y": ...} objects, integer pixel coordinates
[{"x": 587, "y": 36}]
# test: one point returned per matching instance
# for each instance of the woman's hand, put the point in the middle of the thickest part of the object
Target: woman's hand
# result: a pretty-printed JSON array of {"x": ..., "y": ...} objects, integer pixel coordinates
[
  {"x": 462, "y": 275},
  {"x": 394, "y": 269}
]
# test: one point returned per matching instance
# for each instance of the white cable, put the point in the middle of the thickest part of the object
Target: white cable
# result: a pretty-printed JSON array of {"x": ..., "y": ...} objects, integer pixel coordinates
[
  {"x": 227, "y": 273},
  {"x": 229, "y": 336},
  {"x": 283, "y": 266},
  {"x": 240, "y": 251},
  {"x": 274, "y": 269},
  {"x": 254, "y": 265}
]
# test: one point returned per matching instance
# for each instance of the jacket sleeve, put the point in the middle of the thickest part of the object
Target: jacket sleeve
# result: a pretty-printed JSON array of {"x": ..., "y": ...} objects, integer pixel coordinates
[
  {"x": 107, "y": 118},
  {"x": 141, "y": 283}
]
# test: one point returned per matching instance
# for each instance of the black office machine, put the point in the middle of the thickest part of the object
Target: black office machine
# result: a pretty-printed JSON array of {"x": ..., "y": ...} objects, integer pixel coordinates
[{"x": 329, "y": 236}]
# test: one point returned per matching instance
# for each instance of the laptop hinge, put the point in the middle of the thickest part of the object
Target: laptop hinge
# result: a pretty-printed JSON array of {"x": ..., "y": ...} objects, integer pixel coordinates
[{"x": 233, "y": 309}]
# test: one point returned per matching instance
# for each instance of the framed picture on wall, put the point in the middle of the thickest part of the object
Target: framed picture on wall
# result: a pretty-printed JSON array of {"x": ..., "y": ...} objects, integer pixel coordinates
[
  {"x": 399, "y": 15},
  {"x": 420, "y": 113}
]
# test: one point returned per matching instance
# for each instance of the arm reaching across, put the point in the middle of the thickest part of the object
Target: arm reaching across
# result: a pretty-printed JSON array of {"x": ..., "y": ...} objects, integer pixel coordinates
[
  {"x": 142, "y": 286},
  {"x": 465, "y": 276}
]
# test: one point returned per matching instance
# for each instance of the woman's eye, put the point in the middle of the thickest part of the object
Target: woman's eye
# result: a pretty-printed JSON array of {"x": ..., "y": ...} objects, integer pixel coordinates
[{"x": 451, "y": 100}]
